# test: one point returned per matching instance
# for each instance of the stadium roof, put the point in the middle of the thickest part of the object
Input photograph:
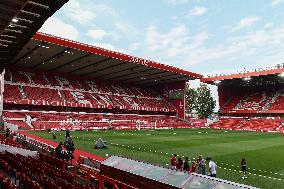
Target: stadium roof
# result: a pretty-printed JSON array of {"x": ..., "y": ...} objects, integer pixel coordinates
[
  {"x": 50, "y": 53},
  {"x": 269, "y": 76},
  {"x": 20, "y": 20}
]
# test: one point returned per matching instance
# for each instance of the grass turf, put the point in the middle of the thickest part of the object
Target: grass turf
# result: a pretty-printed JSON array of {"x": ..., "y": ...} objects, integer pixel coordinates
[{"x": 264, "y": 151}]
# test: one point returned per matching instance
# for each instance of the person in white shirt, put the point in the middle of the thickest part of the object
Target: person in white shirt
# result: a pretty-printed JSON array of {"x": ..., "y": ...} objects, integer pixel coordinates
[{"x": 212, "y": 167}]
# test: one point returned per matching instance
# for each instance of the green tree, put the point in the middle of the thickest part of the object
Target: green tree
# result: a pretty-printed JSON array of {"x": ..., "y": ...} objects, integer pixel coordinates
[
  {"x": 205, "y": 103},
  {"x": 190, "y": 99}
]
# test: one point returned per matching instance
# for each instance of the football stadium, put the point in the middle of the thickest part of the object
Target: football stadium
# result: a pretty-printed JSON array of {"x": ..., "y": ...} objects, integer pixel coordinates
[{"x": 78, "y": 116}]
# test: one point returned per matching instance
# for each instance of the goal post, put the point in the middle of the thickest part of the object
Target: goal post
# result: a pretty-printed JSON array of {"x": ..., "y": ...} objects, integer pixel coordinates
[{"x": 143, "y": 125}]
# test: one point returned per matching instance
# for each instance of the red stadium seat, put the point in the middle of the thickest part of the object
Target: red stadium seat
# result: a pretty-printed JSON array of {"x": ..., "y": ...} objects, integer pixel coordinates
[{"x": 62, "y": 91}]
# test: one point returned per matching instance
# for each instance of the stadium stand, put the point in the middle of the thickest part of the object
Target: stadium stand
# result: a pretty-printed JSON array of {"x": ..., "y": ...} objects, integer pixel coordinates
[
  {"x": 271, "y": 124},
  {"x": 250, "y": 101},
  {"x": 256, "y": 101},
  {"x": 99, "y": 94},
  {"x": 226, "y": 123},
  {"x": 6, "y": 182},
  {"x": 137, "y": 106},
  {"x": 18, "y": 170},
  {"x": 38, "y": 173},
  {"x": 40, "y": 120},
  {"x": 8, "y": 141}
]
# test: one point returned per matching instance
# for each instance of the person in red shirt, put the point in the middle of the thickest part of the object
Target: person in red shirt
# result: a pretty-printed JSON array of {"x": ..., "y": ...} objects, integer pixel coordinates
[
  {"x": 174, "y": 161},
  {"x": 193, "y": 167},
  {"x": 179, "y": 164}
]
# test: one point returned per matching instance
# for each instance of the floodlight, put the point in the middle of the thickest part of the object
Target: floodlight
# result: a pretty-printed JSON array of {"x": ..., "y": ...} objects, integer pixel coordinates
[
  {"x": 15, "y": 20},
  {"x": 217, "y": 82},
  {"x": 281, "y": 74},
  {"x": 247, "y": 78}
]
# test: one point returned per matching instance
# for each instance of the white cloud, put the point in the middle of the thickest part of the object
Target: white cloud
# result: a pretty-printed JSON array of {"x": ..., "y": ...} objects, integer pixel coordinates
[
  {"x": 177, "y": 2},
  {"x": 134, "y": 46},
  {"x": 109, "y": 46},
  {"x": 246, "y": 22},
  {"x": 174, "y": 18},
  {"x": 268, "y": 25},
  {"x": 105, "y": 46},
  {"x": 178, "y": 47},
  {"x": 262, "y": 47},
  {"x": 197, "y": 11},
  {"x": 88, "y": 12},
  {"x": 174, "y": 40},
  {"x": 97, "y": 15},
  {"x": 126, "y": 28},
  {"x": 97, "y": 34},
  {"x": 81, "y": 12},
  {"x": 276, "y": 2},
  {"x": 54, "y": 26},
  {"x": 172, "y": 47}
]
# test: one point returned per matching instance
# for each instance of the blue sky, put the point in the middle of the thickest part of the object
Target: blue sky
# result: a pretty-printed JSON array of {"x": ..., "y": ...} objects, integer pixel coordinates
[{"x": 203, "y": 36}]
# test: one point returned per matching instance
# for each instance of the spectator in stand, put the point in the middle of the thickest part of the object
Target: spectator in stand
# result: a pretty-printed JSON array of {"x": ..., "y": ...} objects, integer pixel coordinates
[
  {"x": 186, "y": 164},
  {"x": 212, "y": 167},
  {"x": 67, "y": 134},
  {"x": 244, "y": 168},
  {"x": 59, "y": 151},
  {"x": 25, "y": 140},
  {"x": 201, "y": 165},
  {"x": 193, "y": 167},
  {"x": 53, "y": 136},
  {"x": 174, "y": 161},
  {"x": 179, "y": 164},
  {"x": 69, "y": 145},
  {"x": 7, "y": 132}
]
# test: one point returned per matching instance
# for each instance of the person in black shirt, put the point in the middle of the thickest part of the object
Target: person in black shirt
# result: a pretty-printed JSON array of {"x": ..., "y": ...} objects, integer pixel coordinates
[
  {"x": 7, "y": 132},
  {"x": 186, "y": 164},
  {"x": 67, "y": 134},
  {"x": 59, "y": 151},
  {"x": 244, "y": 168},
  {"x": 70, "y": 147}
]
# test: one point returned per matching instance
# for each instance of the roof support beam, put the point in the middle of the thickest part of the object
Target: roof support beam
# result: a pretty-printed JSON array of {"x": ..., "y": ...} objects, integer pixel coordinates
[
  {"x": 98, "y": 62},
  {"x": 17, "y": 25},
  {"x": 151, "y": 78},
  {"x": 112, "y": 66},
  {"x": 70, "y": 62},
  {"x": 28, "y": 53},
  {"x": 159, "y": 82},
  {"x": 24, "y": 20},
  {"x": 139, "y": 76},
  {"x": 38, "y": 4},
  {"x": 50, "y": 58},
  {"x": 125, "y": 70},
  {"x": 10, "y": 30},
  {"x": 30, "y": 13},
  {"x": 8, "y": 36}
]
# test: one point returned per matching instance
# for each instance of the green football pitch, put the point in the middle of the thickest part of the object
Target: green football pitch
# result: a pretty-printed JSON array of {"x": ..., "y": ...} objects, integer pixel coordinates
[{"x": 264, "y": 151}]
